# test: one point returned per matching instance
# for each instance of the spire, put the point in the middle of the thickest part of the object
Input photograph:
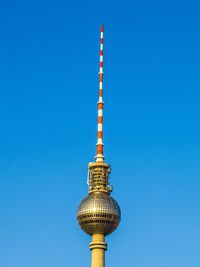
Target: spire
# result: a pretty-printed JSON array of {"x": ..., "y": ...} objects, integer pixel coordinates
[{"x": 99, "y": 153}]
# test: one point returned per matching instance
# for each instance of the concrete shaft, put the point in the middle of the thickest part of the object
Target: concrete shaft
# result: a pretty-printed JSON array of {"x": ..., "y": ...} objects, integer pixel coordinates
[{"x": 98, "y": 247}]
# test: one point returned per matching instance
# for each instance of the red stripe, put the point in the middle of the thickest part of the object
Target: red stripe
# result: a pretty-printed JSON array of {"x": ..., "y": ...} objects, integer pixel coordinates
[
  {"x": 102, "y": 28},
  {"x": 100, "y": 105},
  {"x": 101, "y": 52},
  {"x": 100, "y": 135},
  {"x": 100, "y": 149},
  {"x": 101, "y": 41},
  {"x": 101, "y": 64},
  {"x": 100, "y": 119}
]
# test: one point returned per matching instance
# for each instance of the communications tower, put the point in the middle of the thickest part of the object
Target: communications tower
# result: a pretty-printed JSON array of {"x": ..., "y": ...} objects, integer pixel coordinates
[{"x": 99, "y": 214}]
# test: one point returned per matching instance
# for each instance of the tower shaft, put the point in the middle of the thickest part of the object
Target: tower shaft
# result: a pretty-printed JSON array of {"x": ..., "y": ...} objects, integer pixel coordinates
[{"x": 98, "y": 248}]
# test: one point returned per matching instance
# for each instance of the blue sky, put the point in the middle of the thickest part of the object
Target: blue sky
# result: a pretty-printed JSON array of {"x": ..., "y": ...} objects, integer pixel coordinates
[{"x": 49, "y": 57}]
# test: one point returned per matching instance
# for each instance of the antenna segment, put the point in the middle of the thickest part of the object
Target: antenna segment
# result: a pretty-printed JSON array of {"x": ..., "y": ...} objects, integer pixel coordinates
[{"x": 99, "y": 154}]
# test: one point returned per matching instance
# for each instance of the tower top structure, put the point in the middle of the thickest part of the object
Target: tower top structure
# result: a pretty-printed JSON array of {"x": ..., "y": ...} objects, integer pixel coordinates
[{"x": 99, "y": 214}]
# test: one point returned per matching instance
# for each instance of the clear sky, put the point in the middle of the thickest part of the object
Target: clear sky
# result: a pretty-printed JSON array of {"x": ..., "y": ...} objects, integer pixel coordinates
[{"x": 49, "y": 58}]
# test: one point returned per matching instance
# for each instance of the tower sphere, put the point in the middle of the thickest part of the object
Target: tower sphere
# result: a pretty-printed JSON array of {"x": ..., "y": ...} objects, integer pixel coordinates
[{"x": 99, "y": 213}]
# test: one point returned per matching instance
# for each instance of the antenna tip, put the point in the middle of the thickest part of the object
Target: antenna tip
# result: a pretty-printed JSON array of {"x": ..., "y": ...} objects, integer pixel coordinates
[{"x": 102, "y": 28}]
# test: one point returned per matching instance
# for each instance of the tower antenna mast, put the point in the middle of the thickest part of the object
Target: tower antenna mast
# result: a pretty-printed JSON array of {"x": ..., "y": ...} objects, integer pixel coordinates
[{"x": 99, "y": 154}]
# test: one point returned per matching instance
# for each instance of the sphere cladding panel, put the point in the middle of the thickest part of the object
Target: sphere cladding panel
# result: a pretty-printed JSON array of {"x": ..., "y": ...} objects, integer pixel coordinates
[{"x": 99, "y": 213}]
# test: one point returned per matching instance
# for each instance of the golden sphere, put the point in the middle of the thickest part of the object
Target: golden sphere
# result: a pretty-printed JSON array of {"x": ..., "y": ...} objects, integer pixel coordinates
[{"x": 98, "y": 213}]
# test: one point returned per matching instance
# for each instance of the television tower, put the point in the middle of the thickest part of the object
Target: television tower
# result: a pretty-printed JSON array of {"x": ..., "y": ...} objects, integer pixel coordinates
[{"x": 99, "y": 214}]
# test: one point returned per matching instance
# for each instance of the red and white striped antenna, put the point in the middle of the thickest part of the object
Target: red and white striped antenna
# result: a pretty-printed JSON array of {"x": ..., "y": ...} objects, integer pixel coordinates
[{"x": 99, "y": 154}]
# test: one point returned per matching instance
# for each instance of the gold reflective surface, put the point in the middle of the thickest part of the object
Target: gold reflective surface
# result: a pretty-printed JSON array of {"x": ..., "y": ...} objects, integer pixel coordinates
[{"x": 99, "y": 213}]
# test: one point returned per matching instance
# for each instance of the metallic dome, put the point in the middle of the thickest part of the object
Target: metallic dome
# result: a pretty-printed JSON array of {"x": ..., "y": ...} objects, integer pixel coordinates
[{"x": 99, "y": 213}]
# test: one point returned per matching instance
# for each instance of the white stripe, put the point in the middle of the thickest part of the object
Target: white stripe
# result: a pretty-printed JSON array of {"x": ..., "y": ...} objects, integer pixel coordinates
[
  {"x": 100, "y": 85},
  {"x": 100, "y": 99},
  {"x": 101, "y": 34},
  {"x": 101, "y": 58},
  {"x": 99, "y": 158},
  {"x": 100, "y": 113},
  {"x": 101, "y": 46},
  {"x": 100, "y": 127},
  {"x": 101, "y": 70},
  {"x": 100, "y": 141}
]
